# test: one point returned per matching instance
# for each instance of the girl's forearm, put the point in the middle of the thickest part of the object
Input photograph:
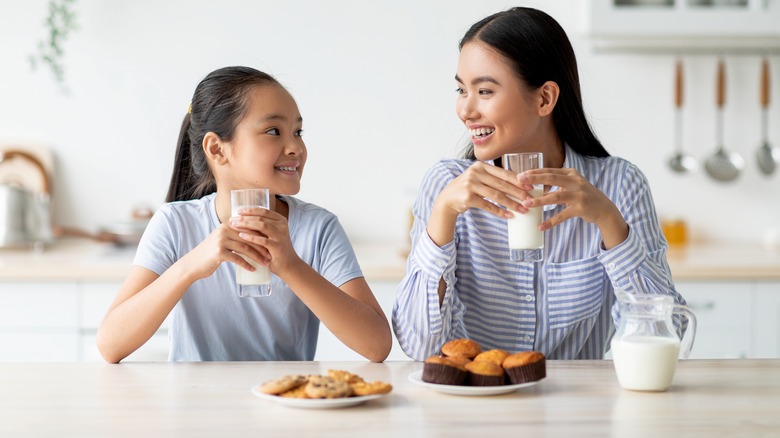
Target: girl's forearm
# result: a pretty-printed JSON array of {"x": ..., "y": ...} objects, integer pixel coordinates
[
  {"x": 132, "y": 322},
  {"x": 360, "y": 326}
]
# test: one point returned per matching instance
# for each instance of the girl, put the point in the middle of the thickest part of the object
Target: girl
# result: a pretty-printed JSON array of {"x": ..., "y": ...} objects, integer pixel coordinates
[
  {"x": 243, "y": 130},
  {"x": 518, "y": 91}
]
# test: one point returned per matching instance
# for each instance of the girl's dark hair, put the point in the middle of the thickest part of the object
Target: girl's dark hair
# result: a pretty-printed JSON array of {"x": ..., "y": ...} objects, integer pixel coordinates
[
  {"x": 218, "y": 105},
  {"x": 539, "y": 50}
]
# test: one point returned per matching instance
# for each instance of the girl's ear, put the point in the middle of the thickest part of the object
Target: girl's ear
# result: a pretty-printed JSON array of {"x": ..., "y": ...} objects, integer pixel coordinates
[
  {"x": 549, "y": 92},
  {"x": 213, "y": 147}
]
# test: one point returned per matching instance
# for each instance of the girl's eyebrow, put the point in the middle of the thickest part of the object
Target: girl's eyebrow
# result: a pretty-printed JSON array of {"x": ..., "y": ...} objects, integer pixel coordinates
[
  {"x": 479, "y": 80},
  {"x": 281, "y": 117}
]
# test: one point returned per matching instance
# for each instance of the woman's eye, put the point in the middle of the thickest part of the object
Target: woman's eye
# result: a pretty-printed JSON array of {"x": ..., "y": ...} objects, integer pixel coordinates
[
  {"x": 485, "y": 92},
  {"x": 272, "y": 131},
  {"x": 459, "y": 90},
  {"x": 299, "y": 133}
]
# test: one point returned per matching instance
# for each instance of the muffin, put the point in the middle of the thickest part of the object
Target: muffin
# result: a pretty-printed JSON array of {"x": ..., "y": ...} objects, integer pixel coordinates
[
  {"x": 460, "y": 360},
  {"x": 443, "y": 371},
  {"x": 525, "y": 366},
  {"x": 461, "y": 347},
  {"x": 483, "y": 373},
  {"x": 495, "y": 356}
]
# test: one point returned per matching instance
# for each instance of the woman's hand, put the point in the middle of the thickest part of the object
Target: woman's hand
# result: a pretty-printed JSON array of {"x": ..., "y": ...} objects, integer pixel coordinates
[
  {"x": 267, "y": 232},
  {"x": 477, "y": 185},
  {"x": 475, "y": 188},
  {"x": 579, "y": 198}
]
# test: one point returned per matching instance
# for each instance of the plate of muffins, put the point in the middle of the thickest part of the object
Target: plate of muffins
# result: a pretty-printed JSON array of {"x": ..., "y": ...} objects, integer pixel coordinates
[{"x": 463, "y": 368}]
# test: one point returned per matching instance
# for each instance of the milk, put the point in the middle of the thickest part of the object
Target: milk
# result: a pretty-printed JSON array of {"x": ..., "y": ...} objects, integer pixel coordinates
[
  {"x": 523, "y": 229},
  {"x": 645, "y": 363},
  {"x": 261, "y": 275}
]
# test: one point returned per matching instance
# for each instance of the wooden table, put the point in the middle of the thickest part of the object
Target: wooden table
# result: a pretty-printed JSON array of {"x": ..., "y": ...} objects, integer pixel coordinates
[{"x": 711, "y": 398}]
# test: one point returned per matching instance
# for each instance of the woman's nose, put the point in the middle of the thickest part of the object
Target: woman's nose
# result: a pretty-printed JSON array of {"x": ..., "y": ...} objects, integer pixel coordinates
[{"x": 466, "y": 109}]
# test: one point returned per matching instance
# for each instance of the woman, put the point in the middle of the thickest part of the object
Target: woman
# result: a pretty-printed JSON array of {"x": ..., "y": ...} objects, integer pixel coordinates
[{"x": 518, "y": 91}]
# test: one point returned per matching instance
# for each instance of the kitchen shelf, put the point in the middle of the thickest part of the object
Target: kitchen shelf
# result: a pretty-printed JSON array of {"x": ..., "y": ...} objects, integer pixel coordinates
[{"x": 750, "y": 27}]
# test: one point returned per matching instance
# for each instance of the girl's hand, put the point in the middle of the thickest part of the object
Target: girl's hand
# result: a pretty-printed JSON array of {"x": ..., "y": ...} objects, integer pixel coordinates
[
  {"x": 579, "y": 198},
  {"x": 267, "y": 231},
  {"x": 482, "y": 181},
  {"x": 222, "y": 245}
]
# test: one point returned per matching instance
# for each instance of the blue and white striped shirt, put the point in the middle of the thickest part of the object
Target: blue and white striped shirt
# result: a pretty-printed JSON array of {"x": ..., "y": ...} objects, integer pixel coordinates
[{"x": 564, "y": 306}]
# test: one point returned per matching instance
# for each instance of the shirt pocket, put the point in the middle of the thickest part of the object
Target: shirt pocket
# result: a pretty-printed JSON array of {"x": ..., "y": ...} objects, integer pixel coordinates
[{"x": 575, "y": 291}]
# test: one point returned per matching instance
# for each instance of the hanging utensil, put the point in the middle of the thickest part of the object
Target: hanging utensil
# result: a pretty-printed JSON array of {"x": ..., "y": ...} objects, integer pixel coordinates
[
  {"x": 679, "y": 162},
  {"x": 767, "y": 156},
  {"x": 723, "y": 166}
]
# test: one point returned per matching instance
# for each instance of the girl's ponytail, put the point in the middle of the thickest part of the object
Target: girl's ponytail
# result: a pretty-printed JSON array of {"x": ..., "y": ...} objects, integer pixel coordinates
[{"x": 181, "y": 180}]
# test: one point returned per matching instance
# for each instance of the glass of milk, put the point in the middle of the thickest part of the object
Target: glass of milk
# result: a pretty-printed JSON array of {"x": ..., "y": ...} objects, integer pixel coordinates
[
  {"x": 248, "y": 283},
  {"x": 646, "y": 347},
  {"x": 526, "y": 241}
]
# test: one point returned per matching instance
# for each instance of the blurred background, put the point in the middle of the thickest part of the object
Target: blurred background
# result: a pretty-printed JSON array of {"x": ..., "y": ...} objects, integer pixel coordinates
[{"x": 374, "y": 82}]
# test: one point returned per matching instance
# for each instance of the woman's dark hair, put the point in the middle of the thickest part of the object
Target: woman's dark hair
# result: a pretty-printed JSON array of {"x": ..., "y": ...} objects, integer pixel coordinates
[
  {"x": 218, "y": 105},
  {"x": 539, "y": 50}
]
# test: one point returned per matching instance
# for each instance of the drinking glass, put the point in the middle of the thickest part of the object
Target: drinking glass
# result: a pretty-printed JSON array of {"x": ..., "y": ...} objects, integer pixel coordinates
[
  {"x": 526, "y": 241},
  {"x": 248, "y": 283}
]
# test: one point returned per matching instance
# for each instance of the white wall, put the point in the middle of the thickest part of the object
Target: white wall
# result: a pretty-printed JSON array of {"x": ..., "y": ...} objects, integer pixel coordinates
[{"x": 374, "y": 82}]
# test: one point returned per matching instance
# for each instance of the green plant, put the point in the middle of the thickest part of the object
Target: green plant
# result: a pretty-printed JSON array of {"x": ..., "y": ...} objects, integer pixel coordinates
[{"x": 59, "y": 23}]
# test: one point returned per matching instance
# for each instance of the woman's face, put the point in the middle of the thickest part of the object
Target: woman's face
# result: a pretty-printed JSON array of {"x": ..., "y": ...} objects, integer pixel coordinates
[
  {"x": 501, "y": 115},
  {"x": 267, "y": 149}
]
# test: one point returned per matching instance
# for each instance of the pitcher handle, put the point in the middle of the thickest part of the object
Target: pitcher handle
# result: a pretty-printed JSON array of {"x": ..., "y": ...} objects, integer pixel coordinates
[{"x": 690, "y": 333}]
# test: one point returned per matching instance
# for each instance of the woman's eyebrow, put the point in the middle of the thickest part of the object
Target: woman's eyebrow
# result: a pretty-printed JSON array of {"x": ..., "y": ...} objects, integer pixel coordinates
[{"x": 479, "y": 80}]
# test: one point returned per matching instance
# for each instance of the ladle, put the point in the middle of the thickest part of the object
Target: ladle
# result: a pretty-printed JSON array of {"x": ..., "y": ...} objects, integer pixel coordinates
[
  {"x": 679, "y": 162},
  {"x": 723, "y": 166},
  {"x": 767, "y": 156}
]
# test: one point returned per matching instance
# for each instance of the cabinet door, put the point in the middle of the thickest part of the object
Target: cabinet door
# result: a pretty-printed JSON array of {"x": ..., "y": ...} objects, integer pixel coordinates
[
  {"x": 95, "y": 300},
  {"x": 330, "y": 348},
  {"x": 723, "y": 314},
  {"x": 766, "y": 320},
  {"x": 38, "y": 322}
]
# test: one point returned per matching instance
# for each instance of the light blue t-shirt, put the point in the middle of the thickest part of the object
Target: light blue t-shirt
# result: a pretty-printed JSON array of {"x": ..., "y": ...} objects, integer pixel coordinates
[{"x": 211, "y": 322}]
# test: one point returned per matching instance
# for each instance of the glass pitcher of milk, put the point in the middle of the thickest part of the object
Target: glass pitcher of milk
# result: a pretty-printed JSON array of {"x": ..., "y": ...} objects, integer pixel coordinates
[{"x": 646, "y": 347}]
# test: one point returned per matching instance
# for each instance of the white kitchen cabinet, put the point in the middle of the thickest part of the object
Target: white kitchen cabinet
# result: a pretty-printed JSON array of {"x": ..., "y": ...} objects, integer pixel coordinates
[
  {"x": 723, "y": 314},
  {"x": 766, "y": 320},
  {"x": 675, "y": 24},
  {"x": 330, "y": 348},
  {"x": 38, "y": 322}
]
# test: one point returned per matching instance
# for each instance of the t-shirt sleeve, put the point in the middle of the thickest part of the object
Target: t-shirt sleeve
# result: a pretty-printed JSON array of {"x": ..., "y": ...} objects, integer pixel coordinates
[
  {"x": 337, "y": 262},
  {"x": 157, "y": 247}
]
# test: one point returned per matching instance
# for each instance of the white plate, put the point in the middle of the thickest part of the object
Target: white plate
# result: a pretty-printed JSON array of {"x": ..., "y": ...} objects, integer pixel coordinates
[
  {"x": 325, "y": 403},
  {"x": 416, "y": 378}
]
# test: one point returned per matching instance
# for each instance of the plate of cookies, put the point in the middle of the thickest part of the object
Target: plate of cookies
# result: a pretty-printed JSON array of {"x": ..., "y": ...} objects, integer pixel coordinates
[
  {"x": 463, "y": 368},
  {"x": 337, "y": 389}
]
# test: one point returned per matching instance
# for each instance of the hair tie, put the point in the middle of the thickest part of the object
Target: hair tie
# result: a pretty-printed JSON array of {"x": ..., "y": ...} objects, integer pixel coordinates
[{"x": 189, "y": 108}]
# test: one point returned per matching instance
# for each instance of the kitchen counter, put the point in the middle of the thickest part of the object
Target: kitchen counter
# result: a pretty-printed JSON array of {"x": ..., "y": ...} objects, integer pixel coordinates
[
  {"x": 75, "y": 259},
  {"x": 708, "y": 398}
]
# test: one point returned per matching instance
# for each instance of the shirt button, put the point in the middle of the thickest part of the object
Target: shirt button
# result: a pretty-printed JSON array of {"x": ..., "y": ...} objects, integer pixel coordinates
[
  {"x": 440, "y": 264},
  {"x": 611, "y": 266},
  {"x": 527, "y": 338},
  {"x": 528, "y": 298}
]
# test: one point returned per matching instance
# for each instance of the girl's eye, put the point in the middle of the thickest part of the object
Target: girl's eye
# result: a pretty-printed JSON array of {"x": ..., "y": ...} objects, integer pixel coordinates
[
  {"x": 272, "y": 131},
  {"x": 485, "y": 92},
  {"x": 459, "y": 90},
  {"x": 299, "y": 133}
]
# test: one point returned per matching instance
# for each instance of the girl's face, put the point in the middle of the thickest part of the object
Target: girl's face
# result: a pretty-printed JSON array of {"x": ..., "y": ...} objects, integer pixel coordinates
[
  {"x": 267, "y": 149},
  {"x": 501, "y": 115}
]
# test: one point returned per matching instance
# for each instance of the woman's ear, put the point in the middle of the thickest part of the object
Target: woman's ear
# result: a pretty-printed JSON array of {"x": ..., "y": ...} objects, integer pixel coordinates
[
  {"x": 549, "y": 92},
  {"x": 213, "y": 147}
]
